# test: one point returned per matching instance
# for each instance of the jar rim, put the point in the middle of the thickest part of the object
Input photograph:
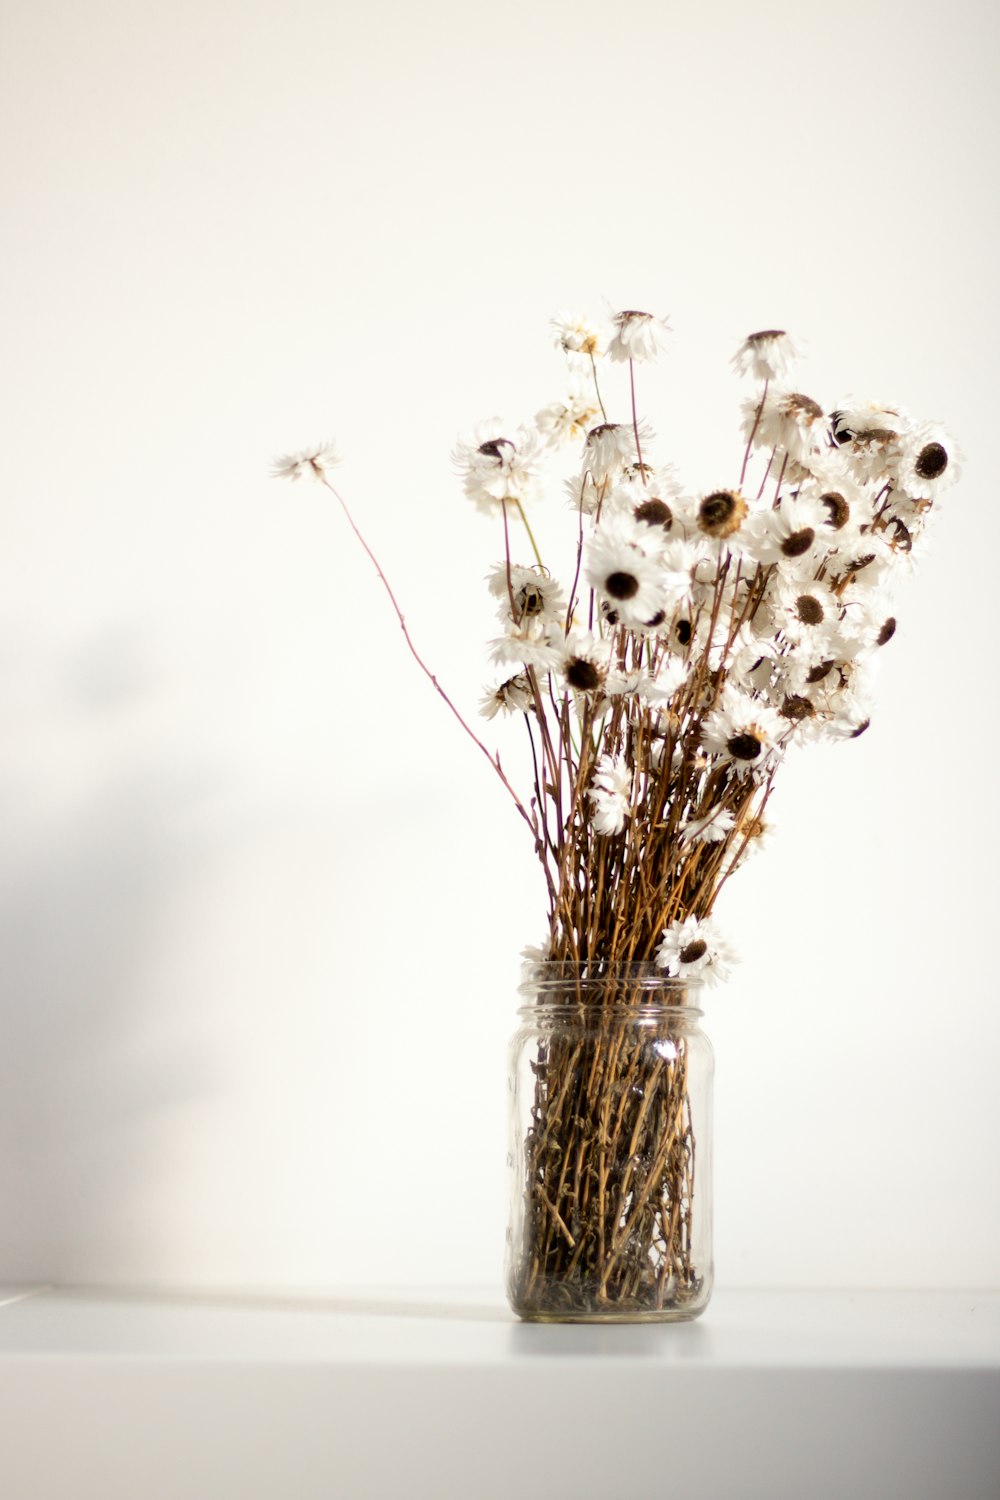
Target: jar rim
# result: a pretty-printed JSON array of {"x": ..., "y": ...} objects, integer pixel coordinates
[
  {"x": 568, "y": 1010},
  {"x": 564, "y": 985}
]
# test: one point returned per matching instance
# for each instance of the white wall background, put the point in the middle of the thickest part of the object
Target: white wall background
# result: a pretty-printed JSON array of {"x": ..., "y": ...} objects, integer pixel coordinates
[{"x": 261, "y": 903}]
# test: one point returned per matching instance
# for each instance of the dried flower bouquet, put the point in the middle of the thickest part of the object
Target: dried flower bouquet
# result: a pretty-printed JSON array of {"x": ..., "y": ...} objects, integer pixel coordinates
[{"x": 692, "y": 640}]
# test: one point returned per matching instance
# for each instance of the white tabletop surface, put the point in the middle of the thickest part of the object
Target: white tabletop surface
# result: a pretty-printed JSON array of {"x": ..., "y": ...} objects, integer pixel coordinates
[{"x": 443, "y": 1393}]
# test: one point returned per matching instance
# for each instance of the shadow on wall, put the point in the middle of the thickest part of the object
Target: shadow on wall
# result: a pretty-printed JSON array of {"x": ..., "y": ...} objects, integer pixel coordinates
[{"x": 102, "y": 837}]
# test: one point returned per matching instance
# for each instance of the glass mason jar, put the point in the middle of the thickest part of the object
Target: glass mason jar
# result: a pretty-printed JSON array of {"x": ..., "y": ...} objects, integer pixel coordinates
[{"x": 610, "y": 1096}]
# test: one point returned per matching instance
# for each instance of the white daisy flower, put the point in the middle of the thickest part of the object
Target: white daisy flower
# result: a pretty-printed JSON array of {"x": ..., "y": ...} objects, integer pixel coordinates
[
  {"x": 610, "y": 448},
  {"x": 585, "y": 662},
  {"x": 929, "y": 462},
  {"x": 576, "y": 334},
  {"x": 646, "y": 504},
  {"x": 623, "y": 575},
  {"x": 842, "y": 505},
  {"x": 874, "y": 454},
  {"x": 803, "y": 720},
  {"x": 844, "y": 698},
  {"x": 312, "y": 462},
  {"x": 710, "y": 829},
  {"x": 744, "y": 731},
  {"x": 721, "y": 513},
  {"x": 637, "y": 335},
  {"x": 511, "y": 697},
  {"x": 495, "y": 467},
  {"x": 648, "y": 510},
  {"x": 768, "y": 355},
  {"x": 570, "y": 420},
  {"x": 695, "y": 948},
  {"x": 527, "y": 594},
  {"x": 868, "y": 620},
  {"x": 788, "y": 421},
  {"x": 791, "y": 535},
  {"x": 803, "y": 610},
  {"x": 871, "y": 558},
  {"x": 749, "y": 658},
  {"x": 530, "y": 644},
  {"x": 678, "y": 560},
  {"x": 851, "y": 722},
  {"x": 649, "y": 481},
  {"x": 853, "y": 417},
  {"x": 610, "y": 794}
]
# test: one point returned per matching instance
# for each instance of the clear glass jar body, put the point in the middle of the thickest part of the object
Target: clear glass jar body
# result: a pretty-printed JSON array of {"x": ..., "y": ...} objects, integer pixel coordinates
[{"x": 610, "y": 1099}]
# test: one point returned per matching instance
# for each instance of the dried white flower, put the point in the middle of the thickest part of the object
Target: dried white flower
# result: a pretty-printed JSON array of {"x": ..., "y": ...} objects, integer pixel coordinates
[
  {"x": 695, "y": 948},
  {"x": 526, "y": 594},
  {"x": 531, "y": 643},
  {"x": 767, "y": 355},
  {"x": 710, "y": 829},
  {"x": 312, "y": 462},
  {"x": 788, "y": 421},
  {"x": 610, "y": 449},
  {"x": 569, "y": 420},
  {"x": 929, "y": 462},
  {"x": 576, "y": 334},
  {"x": 510, "y": 697},
  {"x": 625, "y": 576},
  {"x": 609, "y": 795},
  {"x": 744, "y": 731},
  {"x": 496, "y": 466},
  {"x": 638, "y": 336}
]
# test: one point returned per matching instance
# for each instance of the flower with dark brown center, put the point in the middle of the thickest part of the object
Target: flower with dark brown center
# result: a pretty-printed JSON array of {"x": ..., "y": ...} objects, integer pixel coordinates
[
  {"x": 744, "y": 746},
  {"x": 654, "y": 513},
  {"x": 582, "y": 674},
  {"x": 797, "y": 708},
  {"x": 657, "y": 620},
  {"x": 932, "y": 460},
  {"x": 875, "y": 437},
  {"x": 837, "y": 508},
  {"x": 529, "y": 601},
  {"x": 809, "y": 610},
  {"x": 798, "y": 542},
  {"x": 902, "y": 539},
  {"x": 494, "y": 448},
  {"x": 820, "y": 670},
  {"x": 860, "y": 729},
  {"x": 621, "y": 585},
  {"x": 693, "y": 951},
  {"x": 838, "y": 426},
  {"x": 801, "y": 405},
  {"x": 721, "y": 513},
  {"x": 887, "y": 632},
  {"x": 682, "y": 630}
]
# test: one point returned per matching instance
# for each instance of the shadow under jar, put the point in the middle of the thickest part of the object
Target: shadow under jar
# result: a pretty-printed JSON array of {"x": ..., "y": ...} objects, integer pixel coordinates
[{"x": 610, "y": 1095}]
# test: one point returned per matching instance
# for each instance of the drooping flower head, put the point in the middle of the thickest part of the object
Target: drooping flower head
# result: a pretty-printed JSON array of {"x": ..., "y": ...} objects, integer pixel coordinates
[
  {"x": 498, "y": 465},
  {"x": 637, "y": 335},
  {"x": 767, "y": 355},
  {"x": 311, "y": 462}
]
